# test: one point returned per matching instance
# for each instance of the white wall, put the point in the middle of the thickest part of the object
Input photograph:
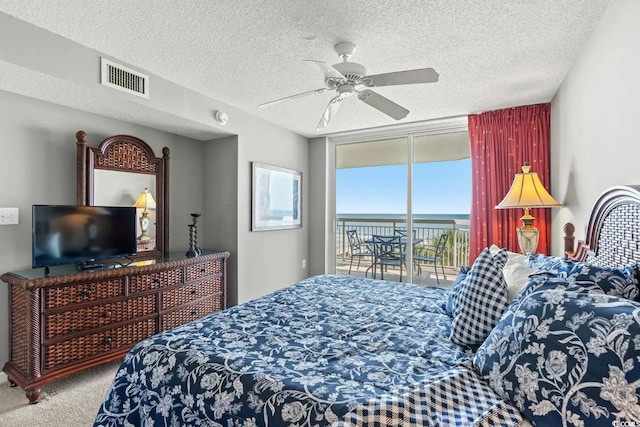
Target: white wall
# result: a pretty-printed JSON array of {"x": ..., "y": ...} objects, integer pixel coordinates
[{"x": 594, "y": 119}]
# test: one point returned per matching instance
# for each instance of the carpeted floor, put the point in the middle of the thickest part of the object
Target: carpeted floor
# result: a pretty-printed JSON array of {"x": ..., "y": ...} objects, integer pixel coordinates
[{"x": 69, "y": 402}]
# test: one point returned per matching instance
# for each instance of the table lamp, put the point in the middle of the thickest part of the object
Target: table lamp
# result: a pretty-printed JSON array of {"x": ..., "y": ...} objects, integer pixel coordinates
[
  {"x": 527, "y": 192},
  {"x": 145, "y": 201}
]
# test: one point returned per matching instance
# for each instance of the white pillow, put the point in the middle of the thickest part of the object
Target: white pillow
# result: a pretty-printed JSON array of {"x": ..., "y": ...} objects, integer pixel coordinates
[
  {"x": 512, "y": 257},
  {"x": 515, "y": 272}
]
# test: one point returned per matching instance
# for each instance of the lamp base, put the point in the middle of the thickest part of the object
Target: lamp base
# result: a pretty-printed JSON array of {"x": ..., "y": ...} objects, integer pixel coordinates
[
  {"x": 144, "y": 225},
  {"x": 528, "y": 239}
]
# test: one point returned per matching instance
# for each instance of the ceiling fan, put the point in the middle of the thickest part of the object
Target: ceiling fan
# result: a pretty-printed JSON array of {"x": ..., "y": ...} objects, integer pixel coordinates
[{"x": 347, "y": 78}]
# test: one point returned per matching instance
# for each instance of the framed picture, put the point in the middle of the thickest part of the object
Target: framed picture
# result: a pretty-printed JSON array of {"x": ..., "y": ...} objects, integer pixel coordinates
[{"x": 276, "y": 198}]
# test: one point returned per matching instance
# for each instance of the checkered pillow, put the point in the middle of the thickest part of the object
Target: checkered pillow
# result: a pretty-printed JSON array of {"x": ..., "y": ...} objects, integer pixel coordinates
[{"x": 479, "y": 300}]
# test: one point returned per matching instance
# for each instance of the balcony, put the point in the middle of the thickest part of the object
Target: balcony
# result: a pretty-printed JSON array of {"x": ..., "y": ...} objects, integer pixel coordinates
[{"x": 456, "y": 253}]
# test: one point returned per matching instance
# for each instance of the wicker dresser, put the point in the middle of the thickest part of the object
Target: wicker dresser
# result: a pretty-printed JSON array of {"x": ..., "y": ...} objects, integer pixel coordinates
[{"x": 70, "y": 321}]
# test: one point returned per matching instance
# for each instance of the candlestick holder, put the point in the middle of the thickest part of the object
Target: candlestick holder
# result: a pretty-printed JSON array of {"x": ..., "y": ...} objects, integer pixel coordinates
[{"x": 194, "y": 250}]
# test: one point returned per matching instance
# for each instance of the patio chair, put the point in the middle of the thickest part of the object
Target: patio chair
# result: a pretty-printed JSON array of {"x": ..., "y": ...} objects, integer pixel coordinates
[
  {"x": 422, "y": 254},
  {"x": 388, "y": 251},
  {"x": 357, "y": 249},
  {"x": 402, "y": 232}
]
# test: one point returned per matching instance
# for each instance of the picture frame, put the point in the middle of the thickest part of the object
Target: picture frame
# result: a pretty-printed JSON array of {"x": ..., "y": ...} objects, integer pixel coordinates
[{"x": 276, "y": 198}]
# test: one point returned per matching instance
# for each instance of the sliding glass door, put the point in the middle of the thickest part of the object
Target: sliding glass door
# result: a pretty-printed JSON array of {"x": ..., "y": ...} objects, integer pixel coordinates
[
  {"x": 371, "y": 200},
  {"x": 414, "y": 184},
  {"x": 441, "y": 197}
]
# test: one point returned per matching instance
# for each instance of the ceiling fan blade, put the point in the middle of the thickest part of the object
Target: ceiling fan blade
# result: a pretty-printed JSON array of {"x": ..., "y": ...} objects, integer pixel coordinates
[
  {"x": 421, "y": 75},
  {"x": 326, "y": 69},
  {"x": 275, "y": 101},
  {"x": 329, "y": 112},
  {"x": 383, "y": 104}
]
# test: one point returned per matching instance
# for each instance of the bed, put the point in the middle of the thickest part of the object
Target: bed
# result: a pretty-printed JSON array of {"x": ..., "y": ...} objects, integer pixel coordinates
[{"x": 346, "y": 351}]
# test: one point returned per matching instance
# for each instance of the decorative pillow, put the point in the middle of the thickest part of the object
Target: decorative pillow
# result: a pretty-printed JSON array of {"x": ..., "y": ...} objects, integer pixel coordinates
[
  {"x": 566, "y": 355},
  {"x": 516, "y": 276},
  {"x": 552, "y": 264},
  {"x": 616, "y": 281},
  {"x": 512, "y": 257},
  {"x": 479, "y": 300},
  {"x": 515, "y": 271},
  {"x": 461, "y": 275}
]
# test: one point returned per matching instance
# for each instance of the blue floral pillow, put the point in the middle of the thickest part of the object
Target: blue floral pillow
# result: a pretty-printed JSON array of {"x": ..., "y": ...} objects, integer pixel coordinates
[
  {"x": 479, "y": 299},
  {"x": 552, "y": 264},
  {"x": 566, "y": 355},
  {"x": 617, "y": 281}
]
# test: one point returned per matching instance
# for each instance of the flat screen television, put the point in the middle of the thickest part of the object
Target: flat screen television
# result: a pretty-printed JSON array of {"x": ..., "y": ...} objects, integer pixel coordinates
[{"x": 82, "y": 235}]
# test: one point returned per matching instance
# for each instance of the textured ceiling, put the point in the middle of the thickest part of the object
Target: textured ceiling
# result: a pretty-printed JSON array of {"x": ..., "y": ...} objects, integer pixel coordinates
[{"x": 490, "y": 54}]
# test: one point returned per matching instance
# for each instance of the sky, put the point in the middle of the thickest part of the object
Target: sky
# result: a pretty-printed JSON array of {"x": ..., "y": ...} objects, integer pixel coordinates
[{"x": 438, "y": 188}]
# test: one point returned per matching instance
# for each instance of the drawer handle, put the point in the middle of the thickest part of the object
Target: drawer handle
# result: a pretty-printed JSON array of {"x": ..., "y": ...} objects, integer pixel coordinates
[
  {"x": 202, "y": 270},
  {"x": 106, "y": 314},
  {"x": 193, "y": 291},
  {"x": 86, "y": 292},
  {"x": 193, "y": 313},
  {"x": 155, "y": 280},
  {"x": 107, "y": 340}
]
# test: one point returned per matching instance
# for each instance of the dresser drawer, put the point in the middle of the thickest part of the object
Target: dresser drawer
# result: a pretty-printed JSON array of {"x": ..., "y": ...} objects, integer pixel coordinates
[
  {"x": 145, "y": 282},
  {"x": 68, "y": 322},
  {"x": 191, "y": 313},
  {"x": 62, "y": 296},
  {"x": 80, "y": 348},
  {"x": 209, "y": 268},
  {"x": 192, "y": 292}
]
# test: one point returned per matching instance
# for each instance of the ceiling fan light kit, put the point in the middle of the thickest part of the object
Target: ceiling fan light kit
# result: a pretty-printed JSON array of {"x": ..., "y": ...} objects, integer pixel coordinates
[
  {"x": 346, "y": 78},
  {"x": 345, "y": 50}
]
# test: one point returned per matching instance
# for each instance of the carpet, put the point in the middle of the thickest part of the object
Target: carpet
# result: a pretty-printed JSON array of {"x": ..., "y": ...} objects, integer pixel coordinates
[{"x": 69, "y": 402}]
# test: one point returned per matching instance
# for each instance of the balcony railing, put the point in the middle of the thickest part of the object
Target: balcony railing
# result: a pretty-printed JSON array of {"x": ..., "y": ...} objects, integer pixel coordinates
[{"x": 456, "y": 253}]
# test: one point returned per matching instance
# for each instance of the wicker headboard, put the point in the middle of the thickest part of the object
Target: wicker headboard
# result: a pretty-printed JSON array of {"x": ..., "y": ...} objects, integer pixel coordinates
[{"x": 613, "y": 231}]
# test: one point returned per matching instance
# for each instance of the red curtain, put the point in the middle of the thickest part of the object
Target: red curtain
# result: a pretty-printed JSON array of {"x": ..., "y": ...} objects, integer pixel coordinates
[{"x": 501, "y": 141}]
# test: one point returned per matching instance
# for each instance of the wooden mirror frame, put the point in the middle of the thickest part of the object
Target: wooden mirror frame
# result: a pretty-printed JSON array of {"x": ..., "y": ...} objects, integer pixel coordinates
[{"x": 126, "y": 153}]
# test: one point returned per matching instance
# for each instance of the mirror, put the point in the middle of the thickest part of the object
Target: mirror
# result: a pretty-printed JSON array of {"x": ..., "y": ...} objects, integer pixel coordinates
[{"x": 123, "y": 171}]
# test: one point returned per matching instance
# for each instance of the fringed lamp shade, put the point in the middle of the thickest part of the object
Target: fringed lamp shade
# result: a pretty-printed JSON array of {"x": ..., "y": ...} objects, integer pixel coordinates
[{"x": 527, "y": 192}]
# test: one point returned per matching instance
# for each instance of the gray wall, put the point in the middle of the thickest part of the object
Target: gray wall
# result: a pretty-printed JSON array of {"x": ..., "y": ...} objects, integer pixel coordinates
[
  {"x": 594, "y": 115},
  {"x": 270, "y": 260},
  {"x": 211, "y": 177},
  {"x": 39, "y": 153},
  {"x": 221, "y": 195},
  {"x": 318, "y": 215}
]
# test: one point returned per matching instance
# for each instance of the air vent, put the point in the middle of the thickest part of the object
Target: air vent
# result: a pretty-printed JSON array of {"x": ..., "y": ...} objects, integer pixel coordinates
[{"x": 125, "y": 79}]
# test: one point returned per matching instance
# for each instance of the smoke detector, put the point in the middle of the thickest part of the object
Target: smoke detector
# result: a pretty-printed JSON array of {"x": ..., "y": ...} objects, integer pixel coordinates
[{"x": 221, "y": 118}]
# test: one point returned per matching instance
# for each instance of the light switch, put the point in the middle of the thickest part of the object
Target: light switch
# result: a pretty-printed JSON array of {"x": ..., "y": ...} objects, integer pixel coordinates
[{"x": 9, "y": 216}]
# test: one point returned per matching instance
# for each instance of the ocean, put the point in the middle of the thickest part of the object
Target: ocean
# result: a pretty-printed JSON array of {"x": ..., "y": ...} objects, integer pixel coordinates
[
  {"x": 402, "y": 216},
  {"x": 441, "y": 221}
]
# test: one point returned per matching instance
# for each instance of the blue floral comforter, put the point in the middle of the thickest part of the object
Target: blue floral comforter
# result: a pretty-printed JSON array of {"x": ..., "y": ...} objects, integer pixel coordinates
[{"x": 325, "y": 351}]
